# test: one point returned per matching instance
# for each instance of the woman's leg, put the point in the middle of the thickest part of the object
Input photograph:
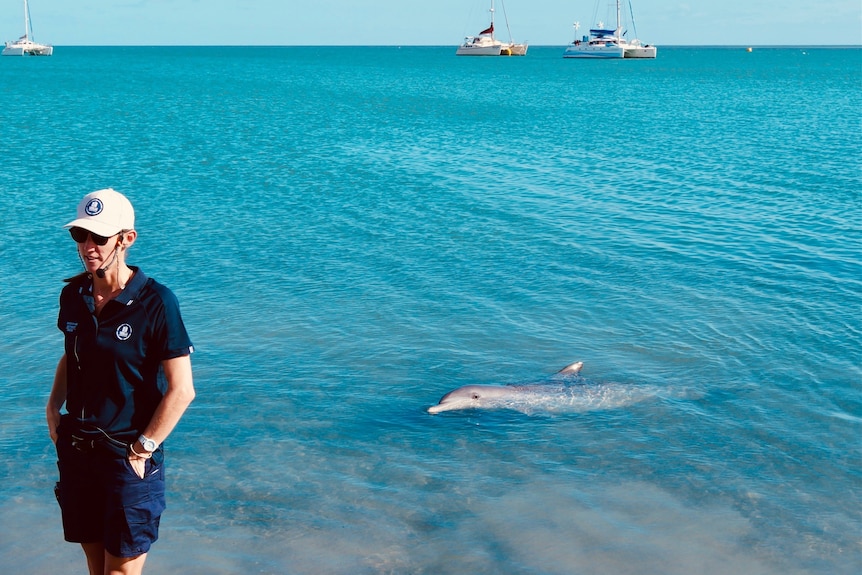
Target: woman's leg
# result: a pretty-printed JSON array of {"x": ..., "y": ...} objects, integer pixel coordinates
[
  {"x": 95, "y": 553},
  {"x": 124, "y": 565}
]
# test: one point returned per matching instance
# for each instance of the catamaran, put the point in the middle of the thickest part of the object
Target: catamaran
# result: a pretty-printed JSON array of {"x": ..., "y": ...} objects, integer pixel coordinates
[
  {"x": 25, "y": 45},
  {"x": 485, "y": 44},
  {"x": 606, "y": 43}
]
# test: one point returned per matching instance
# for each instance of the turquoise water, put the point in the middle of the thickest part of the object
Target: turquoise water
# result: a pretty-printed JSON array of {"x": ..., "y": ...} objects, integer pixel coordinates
[{"x": 353, "y": 232}]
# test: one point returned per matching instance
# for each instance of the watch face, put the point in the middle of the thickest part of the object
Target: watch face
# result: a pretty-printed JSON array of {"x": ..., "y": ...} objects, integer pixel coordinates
[{"x": 149, "y": 445}]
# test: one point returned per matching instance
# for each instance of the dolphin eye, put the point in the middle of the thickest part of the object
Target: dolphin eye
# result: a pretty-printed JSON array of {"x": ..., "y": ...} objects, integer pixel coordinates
[{"x": 475, "y": 396}]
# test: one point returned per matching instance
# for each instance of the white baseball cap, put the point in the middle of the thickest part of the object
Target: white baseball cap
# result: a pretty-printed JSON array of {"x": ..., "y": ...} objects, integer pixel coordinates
[{"x": 105, "y": 213}]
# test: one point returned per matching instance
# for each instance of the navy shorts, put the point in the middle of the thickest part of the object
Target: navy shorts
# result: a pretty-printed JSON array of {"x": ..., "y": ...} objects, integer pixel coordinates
[{"x": 102, "y": 499}]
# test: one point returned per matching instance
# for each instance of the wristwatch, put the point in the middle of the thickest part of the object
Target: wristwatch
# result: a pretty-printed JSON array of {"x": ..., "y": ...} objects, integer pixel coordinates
[{"x": 148, "y": 444}]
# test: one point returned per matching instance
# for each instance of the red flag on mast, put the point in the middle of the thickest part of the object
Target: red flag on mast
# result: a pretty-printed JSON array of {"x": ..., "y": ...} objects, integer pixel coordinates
[{"x": 489, "y": 30}]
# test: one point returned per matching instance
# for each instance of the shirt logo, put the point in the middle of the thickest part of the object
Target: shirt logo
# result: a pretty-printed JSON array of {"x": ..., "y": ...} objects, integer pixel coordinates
[
  {"x": 71, "y": 326},
  {"x": 94, "y": 207},
  {"x": 124, "y": 332}
]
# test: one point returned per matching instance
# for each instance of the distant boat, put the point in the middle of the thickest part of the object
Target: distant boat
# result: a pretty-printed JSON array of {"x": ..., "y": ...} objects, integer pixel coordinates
[
  {"x": 25, "y": 45},
  {"x": 606, "y": 43},
  {"x": 485, "y": 44}
]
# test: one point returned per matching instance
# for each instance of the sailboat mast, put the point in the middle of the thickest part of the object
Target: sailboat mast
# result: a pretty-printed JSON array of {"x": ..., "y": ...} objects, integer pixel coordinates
[
  {"x": 619, "y": 27},
  {"x": 27, "y": 33},
  {"x": 506, "y": 17},
  {"x": 492, "y": 19}
]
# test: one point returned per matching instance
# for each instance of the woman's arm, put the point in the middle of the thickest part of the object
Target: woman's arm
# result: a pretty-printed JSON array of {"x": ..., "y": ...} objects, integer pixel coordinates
[
  {"x": 180, "y": 393},
  {"x": 56, "y": 399}
]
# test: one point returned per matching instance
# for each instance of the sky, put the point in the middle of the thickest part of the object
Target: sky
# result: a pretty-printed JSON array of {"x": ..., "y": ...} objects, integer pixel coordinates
[{"x": 434, "y": 22}]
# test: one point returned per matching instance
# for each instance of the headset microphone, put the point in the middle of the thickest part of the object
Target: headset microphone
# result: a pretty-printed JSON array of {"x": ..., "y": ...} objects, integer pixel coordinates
[{"x": 102, "y": 271}]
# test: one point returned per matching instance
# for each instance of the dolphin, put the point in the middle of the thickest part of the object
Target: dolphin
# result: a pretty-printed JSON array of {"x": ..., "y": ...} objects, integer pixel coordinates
[
  {"x": 542, "y": 397},
  {"x": 572, "y": 369}
]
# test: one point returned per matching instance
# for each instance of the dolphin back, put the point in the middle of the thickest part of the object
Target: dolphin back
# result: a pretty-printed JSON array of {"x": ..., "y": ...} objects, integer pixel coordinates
[{"x": 499, "y": 396}]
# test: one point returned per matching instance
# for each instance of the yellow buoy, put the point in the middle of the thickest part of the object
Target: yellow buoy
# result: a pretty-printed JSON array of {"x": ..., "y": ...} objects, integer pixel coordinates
[{"x": 748, "y": 49}]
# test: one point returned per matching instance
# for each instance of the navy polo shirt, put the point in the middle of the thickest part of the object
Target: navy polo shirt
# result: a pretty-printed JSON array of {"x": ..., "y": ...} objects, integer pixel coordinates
[{"x": 114, "y": 378}]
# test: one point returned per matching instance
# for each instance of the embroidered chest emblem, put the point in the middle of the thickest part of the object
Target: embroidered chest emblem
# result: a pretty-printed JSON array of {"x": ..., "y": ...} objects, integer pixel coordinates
[
  {"x": 71, "y": 326},
  {"x": 124, "y": 332}
]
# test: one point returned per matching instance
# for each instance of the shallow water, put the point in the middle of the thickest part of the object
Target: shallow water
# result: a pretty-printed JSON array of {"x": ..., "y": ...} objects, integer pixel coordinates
[{"x": 354, "y": 232}]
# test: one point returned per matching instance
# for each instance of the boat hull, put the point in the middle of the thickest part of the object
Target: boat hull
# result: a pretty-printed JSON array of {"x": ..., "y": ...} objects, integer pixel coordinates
[
  {"x": 594, "y": 52},
  {"x": 514, "y": 50},
  {"x": 640, "y": 52},
  {"x": 491, "y": 49},
  {"x": 27, "y": 49},
  {"x": 478, "y": 51}
]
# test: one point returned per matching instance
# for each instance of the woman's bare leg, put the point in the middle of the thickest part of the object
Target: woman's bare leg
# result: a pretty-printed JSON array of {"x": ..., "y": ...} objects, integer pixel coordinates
[
  {"x": 124, "y": 565},
  {"x": 95, "y": 553}
]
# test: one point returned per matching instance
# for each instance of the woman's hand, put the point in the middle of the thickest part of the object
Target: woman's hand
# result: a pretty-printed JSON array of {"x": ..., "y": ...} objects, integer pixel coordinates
[
  {"x": 138, "y": 464},
  {"x": 56, "y": 399},
  {"x": 53, "y": 417}
]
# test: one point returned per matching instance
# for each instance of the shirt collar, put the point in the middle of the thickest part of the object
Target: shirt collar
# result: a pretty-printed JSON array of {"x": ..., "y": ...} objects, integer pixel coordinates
[{"x": 133, "y": 288}]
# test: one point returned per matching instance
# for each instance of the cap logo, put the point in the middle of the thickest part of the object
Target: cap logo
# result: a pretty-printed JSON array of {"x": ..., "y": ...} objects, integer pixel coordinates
[
  {"x": 124, "y": 332},
  {"x": 94, "y": 207}
]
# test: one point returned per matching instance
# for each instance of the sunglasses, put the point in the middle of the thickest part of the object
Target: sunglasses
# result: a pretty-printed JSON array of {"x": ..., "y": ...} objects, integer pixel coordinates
[{"x": 80, "y": 236}]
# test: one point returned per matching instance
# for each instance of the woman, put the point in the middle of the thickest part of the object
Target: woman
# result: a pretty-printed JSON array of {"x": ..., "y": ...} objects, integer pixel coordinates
[{"x": 126, "y": 379}]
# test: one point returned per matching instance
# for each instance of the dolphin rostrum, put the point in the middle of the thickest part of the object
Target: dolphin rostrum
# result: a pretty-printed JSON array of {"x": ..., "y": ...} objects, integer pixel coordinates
[{"x": 541, "y": 397}]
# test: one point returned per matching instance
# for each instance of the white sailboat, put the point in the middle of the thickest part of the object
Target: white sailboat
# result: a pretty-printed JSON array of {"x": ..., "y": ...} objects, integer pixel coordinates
[
  {"x": 25, "y": 45},
  {"x": 605, "y": 43},
  {"x": 601, "y": 43},
  {"x": 486, "y": 44}
]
